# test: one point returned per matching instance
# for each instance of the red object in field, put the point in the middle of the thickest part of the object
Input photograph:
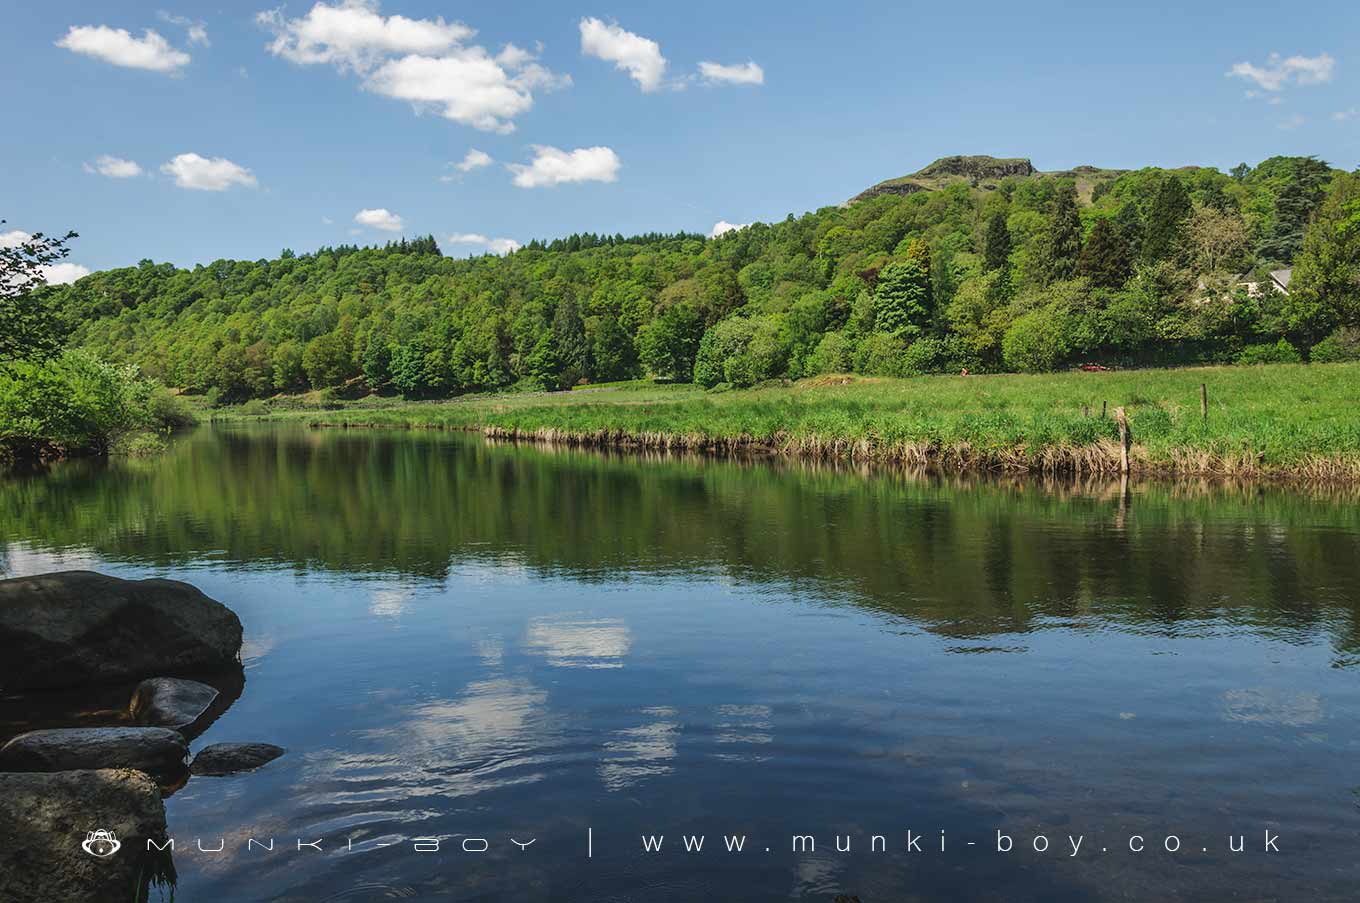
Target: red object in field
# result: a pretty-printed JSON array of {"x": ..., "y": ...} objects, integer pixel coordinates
[{"x": 1094, "y": 368}]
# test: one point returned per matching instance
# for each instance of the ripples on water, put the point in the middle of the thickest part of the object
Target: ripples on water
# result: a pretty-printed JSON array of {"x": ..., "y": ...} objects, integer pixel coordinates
[{"x": 461, "y": 640}]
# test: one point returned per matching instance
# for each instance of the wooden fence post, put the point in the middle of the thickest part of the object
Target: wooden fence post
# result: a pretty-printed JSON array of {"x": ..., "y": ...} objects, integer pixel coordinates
[
  {"x": 1102, "y": 410},
  {"x": 1125, "y": 438},
  {"x": 1204, "y": 402}
]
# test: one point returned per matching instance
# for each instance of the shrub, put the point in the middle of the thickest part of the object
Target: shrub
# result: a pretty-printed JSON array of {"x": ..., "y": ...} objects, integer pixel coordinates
[
  {"x": 1036, "y": 342},
  {"x": 254, "y": 408},
  {"x": 938, "y": 355},
  {"x": 742, "y": 351},
  {"x": 880, "y": 354},
  {"x": 1280, "y": 353},
  {"x": 1342, "y": 345},
  {"x": 832, "y": 355},
  {"x": 79, "y": 402}
]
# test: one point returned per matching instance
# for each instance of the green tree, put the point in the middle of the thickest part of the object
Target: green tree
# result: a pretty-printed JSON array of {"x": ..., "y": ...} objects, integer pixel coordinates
[
  {"x": 326, "y": 360},
  {"x": 669, "y": 344},
  {"x": 996, "y": 252},
  {"x": 612, "y": 354},
  {"x": 287, "y": 366},
  {"x": 1130, "y": 223},
  {"x": 29, "y": 327},
  {"x": 1324, "y": 292},
  {"x": 1105, "y": 259},
  {"x": 569, "y": 339},
  {"x": 1063, "y": 249},
  {"x": 902, "y": 299},
  {"x": 1166, "y": 220},
  {"x": 377, "y": 363}
]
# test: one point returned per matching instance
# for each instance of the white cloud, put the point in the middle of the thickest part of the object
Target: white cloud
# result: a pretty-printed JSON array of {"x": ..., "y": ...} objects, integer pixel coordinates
[
  {"x": 722, "y": 227},
  {"x": 736, "y": 74},
  {"x": 379, "y": 218},
  {"x": 63, "y": 273},
  {"x": 1343, "y": 115},
  {"x": 494, "y": 245},
  {"x": 466, "y": 85},
  {"x": 117, "y": 46},
  {"x": 638, "y": 56},
  {"x": 353, "y": 35},
  {"x": 327, "y": 221},
  {"x": 197, "y": 31},
  {"x": 1292, "y": 122},
  {"x": 553, "y": 166},
  {"x": 422, "y": 61},
  {"x": 13, "y": 238},
  {"x": 1280, "y": 71},
  {"x": 114, "y": 167},
  {"x": 474, "y": 159},
  {"x": 207, "y": 173}
]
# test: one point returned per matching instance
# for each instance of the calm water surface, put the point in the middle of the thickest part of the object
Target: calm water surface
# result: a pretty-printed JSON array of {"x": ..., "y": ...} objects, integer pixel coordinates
[{"x": 458, "y": 640}]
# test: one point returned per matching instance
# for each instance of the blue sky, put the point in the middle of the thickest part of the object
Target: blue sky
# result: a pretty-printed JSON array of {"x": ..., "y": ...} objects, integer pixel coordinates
[{"x": 251, "y": 133}]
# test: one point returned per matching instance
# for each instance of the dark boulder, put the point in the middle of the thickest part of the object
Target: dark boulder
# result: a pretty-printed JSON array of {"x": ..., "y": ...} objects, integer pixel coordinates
[
  {"x": 158, "y": 751},
  {"x": 182, "y": 705},
  {"x": 45, "y": 818},
  {"x": 229, "y": 758},
  {"x": 79, "y": 627}
]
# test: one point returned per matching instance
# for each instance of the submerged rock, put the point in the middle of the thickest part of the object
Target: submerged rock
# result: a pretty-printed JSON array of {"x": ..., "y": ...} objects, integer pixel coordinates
[
  {"x": 229, "y": 758},
  {"x": 79, "y": 627},
  {"x": 173, "y": 702},
  {"x": 44, "y": 819},
  {"x": 158, "y": 751}
]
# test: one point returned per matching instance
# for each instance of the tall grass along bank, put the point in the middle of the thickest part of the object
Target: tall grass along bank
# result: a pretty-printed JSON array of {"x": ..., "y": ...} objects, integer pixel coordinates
[{"x": 1267, "y": 421}]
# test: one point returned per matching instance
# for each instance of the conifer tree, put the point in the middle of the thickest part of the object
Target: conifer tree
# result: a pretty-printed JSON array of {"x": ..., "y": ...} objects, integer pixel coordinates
[
  {"x": 997, "y": 243},
  {"x": 1105, "y": 259},
  {"x": 1064, "y": 238},
  {"x": 1166, "y": 219},
  {"x": 571, "y": 344}
]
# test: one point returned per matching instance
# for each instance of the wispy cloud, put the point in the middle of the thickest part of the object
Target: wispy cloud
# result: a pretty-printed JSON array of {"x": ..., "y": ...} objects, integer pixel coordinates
[
  {"x": 119, "y": 48},
  {"x": 1281, "y": 71},
  {"x": 736, "y": 74},
  {"x": 1292, "y": 122},
  {"x": 195, "y": 29},
  {"x": 494, "y": 245},
  {"x": 1344, "y": 115},
  {"x": 114, "y": 167}
]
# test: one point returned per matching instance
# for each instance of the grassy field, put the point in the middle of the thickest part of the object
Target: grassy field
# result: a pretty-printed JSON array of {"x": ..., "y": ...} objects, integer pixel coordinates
[{"x": 1282, "y": 420}]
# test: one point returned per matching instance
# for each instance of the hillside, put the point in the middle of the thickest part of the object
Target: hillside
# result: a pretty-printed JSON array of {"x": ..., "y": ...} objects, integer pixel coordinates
[{"x": 984, "y": 264}]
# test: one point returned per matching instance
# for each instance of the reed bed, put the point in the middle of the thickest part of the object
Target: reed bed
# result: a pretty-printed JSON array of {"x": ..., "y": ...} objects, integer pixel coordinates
[{"x": 1284, "y": 421}]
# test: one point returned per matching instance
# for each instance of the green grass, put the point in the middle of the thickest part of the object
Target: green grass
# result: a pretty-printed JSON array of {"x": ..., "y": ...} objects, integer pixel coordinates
[{"x": 1288, "y": 420}]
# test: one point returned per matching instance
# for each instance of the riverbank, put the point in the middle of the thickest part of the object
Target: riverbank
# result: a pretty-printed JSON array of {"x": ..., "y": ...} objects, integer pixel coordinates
[
  {"x": 75, "y": 404},
  {"x": 1282, "y": 421}
]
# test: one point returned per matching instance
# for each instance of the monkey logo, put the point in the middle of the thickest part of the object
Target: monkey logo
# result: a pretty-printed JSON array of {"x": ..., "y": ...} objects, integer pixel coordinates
[{"x": 101, "y": 843}]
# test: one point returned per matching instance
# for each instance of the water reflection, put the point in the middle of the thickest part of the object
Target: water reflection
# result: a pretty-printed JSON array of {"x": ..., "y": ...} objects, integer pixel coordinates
[
  {"x": 574, "y": 643},
  {"x": 456, "y": 639}
]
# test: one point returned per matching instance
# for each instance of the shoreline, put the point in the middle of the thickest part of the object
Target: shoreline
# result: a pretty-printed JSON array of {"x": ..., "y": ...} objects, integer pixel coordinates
[
  {"x": 1279, "y": 423},
  {"x": 1100, "y": 459}
]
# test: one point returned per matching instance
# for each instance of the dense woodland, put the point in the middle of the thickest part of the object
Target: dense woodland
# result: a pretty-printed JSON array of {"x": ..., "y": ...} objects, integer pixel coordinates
[{"x": 1028, "y": 273}]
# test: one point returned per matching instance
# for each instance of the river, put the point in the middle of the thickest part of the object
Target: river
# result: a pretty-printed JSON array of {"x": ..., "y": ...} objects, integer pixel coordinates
[{"x": 537, "y": 658}]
